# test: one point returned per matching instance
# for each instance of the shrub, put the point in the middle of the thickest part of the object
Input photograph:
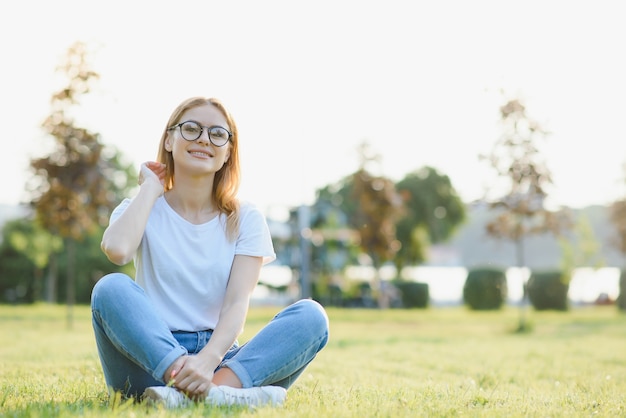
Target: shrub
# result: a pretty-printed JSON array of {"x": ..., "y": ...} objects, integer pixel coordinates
[
  {"x": 328, "y": 294},
  {"x": 485, "y": 288},
  {"x": 413, "y": 294},
  {"x": 17, "y": 283},
  {"x": 547, "y": 290}
]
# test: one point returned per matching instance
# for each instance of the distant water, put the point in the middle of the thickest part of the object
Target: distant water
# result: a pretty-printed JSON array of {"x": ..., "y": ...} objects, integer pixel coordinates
[
  {"x": 446, "y": 283},
  {"x": 588, "y": 284}
]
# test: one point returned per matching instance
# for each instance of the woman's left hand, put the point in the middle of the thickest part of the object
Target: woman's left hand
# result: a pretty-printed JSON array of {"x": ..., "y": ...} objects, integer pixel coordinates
[{"x": 194, "y": 378}]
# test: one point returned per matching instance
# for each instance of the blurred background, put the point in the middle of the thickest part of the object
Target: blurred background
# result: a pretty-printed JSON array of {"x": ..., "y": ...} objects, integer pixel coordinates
[{"x": 330, "y": 97}]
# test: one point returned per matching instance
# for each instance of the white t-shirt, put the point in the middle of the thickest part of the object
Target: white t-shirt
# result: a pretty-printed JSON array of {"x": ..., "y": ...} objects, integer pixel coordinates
[{"x": 184, "y": 268}]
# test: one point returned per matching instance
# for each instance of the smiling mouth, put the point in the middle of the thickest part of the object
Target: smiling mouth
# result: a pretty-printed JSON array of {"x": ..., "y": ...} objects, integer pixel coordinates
[{"x": 200, "y": 154}]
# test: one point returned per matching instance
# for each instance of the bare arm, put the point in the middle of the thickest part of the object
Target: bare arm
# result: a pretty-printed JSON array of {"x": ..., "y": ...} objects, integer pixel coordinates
[
  {"x": 243, "y": 279},
  {"x": 197, "y": 371},
  {"x": 123, "y": 236}
]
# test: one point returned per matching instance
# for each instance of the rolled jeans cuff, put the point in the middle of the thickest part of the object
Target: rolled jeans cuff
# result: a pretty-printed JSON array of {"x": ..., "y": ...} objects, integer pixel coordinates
[
  {"x": 167, "y": 361},
  {"x": 240, "y": 371}
]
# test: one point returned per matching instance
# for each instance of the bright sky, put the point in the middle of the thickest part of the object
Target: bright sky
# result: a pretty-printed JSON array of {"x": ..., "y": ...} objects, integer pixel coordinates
[{"x": 307, "y": 81}]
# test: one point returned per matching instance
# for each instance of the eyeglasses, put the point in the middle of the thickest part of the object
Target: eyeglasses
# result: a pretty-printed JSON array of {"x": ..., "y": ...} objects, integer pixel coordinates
[{"x": 192, "y": 130}]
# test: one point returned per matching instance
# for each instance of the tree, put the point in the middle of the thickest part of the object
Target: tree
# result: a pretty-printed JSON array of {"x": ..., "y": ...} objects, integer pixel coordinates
[
  {"x": 432, "y": 212},
  {"x": 75, "y": 187},
  {"x": 357, "y": 214},
  {"x": 35, "y": 244},
  {"x": 521, "y": 211},
  {"x": 334, "y": 243},
  {"x": 617, "y": 216},
  {"x": 425, "y": 206},
  {"x": 617, "y": 213},
  {"x": 583, "y": 249},
  {"x": 378, "y": 207}
]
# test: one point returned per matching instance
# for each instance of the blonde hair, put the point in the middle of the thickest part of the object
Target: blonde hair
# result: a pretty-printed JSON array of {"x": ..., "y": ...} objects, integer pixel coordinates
[{"x": 227, "y": 179}]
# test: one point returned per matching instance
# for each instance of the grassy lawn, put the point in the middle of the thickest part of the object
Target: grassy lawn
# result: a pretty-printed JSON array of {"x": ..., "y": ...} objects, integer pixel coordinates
[{"x": 438, "y": 362}]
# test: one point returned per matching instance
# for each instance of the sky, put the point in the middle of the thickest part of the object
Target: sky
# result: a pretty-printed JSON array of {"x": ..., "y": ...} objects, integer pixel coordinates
[{"x": 308, "y": 81}]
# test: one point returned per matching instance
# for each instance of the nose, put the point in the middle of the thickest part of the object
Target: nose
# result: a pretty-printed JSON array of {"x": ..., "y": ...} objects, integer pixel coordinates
[{"x": 204, "y": 136}]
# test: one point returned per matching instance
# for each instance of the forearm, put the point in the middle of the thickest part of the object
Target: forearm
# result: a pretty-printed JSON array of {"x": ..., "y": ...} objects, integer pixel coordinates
[
  {"x": 229, "y": 327},
  {"x": 122, "y": 238},
  {"x": 243, "y": 278}
]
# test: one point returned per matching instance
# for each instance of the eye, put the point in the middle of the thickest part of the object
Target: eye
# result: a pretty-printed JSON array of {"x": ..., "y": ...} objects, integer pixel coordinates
[
  {"x": 191, "y": 128},
  {"x": 219, "y": 133}
]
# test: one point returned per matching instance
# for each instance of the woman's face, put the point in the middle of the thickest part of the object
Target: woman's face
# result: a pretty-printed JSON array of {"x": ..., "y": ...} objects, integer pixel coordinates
[{"x": 198, "y": 156}]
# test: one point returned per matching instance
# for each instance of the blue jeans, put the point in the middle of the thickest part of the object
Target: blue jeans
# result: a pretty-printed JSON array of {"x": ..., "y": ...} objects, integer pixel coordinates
[{"x": 135, "y": 345}]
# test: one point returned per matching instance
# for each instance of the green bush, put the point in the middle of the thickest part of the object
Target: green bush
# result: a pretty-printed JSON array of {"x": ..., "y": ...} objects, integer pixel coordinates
[
  {"x": 485, "y": 288},
  {"x": 413, "y": 294},
  {"x": 328, "y": 294},
  {"x": 17, "y": 273},
  {"x": 547, "y": 290}
]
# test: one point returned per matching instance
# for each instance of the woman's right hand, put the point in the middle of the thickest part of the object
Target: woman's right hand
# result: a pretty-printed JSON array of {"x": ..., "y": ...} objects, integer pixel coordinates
[{"x": 152, "y": 171}]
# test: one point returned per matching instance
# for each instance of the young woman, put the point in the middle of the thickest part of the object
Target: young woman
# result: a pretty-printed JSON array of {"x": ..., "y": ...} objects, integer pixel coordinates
[{"x": 170, "y": 335}]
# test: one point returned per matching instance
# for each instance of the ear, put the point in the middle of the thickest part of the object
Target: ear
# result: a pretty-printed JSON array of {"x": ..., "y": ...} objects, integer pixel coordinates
[{"x": 168, "y": 144}]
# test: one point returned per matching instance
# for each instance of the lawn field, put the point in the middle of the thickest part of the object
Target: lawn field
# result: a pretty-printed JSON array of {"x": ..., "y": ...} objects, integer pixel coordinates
[{"x": 437, "y": 362}]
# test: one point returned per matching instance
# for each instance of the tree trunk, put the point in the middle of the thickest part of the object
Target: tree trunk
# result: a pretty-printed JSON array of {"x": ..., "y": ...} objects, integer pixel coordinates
[
  {"x": 621, "y": 300},
  {"x": 70, "y": 288},
  {"x": 37, "y": 284},
  {"x": 519, "y": 249},
  {"x": 51, "y": 279}
]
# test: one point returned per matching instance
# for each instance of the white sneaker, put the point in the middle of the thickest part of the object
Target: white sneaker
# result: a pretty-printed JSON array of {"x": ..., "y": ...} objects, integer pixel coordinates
[
  {"x": 256, "y": 396},
  {"x": 166, "y": 395}
]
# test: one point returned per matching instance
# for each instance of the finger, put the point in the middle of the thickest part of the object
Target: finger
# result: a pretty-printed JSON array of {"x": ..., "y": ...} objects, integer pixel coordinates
[
  {"x": 155, "y": 165},
  {"x": 197, "y": 392},
  {"x": 183, "y": 381}
]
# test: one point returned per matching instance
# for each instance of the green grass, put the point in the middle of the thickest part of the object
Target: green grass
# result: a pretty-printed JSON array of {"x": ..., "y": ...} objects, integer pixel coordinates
[{"x": 438, "y": 362}]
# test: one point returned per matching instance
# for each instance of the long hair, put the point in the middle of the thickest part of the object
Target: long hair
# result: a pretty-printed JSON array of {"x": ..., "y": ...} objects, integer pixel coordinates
[{"x": 227, "y": 179}]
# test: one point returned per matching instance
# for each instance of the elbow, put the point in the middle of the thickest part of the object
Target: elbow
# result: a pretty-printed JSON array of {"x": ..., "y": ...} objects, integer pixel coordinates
[
  {"x": 117, "y": 256},
  {"x": 118, "y": 260}
]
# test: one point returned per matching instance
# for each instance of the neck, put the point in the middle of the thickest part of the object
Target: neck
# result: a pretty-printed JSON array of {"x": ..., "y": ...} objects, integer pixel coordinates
[{"x": 195, "y": 204}]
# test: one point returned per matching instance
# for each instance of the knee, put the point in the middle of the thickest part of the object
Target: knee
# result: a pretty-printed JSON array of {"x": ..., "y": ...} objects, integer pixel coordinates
[
  {"x": 314, "y": 316},
  {"x": 109, "y": 286}
]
